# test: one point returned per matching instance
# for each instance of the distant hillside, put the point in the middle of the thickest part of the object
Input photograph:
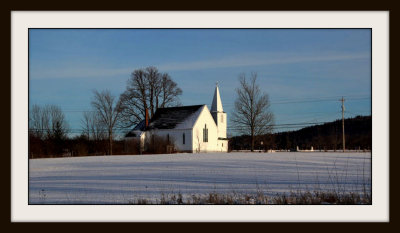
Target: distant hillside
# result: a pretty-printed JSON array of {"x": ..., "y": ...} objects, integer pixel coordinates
[{"x": 328, "y": 136}]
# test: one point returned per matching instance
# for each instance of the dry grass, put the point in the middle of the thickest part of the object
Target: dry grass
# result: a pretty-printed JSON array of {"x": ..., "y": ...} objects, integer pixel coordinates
[{"x": 293, "y": 198}]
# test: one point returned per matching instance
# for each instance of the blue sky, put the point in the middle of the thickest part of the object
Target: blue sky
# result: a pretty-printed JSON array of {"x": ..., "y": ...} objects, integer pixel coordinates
[{"x": 304, "y": 71}]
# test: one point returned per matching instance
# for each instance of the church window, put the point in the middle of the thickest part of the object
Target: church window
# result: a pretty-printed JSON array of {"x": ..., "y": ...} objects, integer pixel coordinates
[
  {"x": 183, "y": 138},
  {"x": 205, "y": 133}
]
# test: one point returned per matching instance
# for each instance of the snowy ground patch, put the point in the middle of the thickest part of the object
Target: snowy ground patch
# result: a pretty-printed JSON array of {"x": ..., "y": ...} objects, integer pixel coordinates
[{"x": 121, "y": 179}]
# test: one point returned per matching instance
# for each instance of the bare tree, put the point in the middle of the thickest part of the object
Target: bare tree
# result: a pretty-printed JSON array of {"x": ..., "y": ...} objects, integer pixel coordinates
[
  {"x": 92, "y": 126},
  {"x": 47, "y": 122},
  {"x": 108, "y": 111},
  {"x": 252, "y": 114},
  {"x": 58, "y": 125},
  {"x": 198, "y": 141},
  {"x": 147, "y": 88},
  {"x": 86, "y": 123},
  {"x": 169, "y": 93},
  {"x": 37, "y": 126},
  {"x": 153, "y": 79},
  {"x": 48, "y": 130}
]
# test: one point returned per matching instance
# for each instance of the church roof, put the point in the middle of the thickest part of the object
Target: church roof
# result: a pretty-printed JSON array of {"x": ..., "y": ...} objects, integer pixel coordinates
[
  {"x": 139, "y": 127},
  {"x": 216, "y": 104},
  {"x": 175, "y": 117}
]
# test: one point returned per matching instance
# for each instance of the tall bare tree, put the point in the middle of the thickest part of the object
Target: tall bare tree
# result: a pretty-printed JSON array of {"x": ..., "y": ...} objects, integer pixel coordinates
[
  {"x": 108, "y": 111},
  {"x": 251, "y": 114},
  {"x": 147, "y": 88}
]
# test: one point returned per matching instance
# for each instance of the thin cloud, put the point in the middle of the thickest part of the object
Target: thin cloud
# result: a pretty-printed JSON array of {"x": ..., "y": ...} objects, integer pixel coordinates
[
  {"x": 257, "y": 60},
  {"x": 75, "y": 72},
  {"x": 242, "y": 60}
]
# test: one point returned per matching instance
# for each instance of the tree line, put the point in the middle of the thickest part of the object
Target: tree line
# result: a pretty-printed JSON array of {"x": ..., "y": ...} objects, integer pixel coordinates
[
  {"x": 328, "y": 136},
  {"x": 48, "y": 130},
  {"x": 147, "y": 88}
]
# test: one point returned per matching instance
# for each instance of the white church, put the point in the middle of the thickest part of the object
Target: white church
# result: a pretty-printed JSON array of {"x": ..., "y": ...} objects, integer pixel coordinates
[{"x": 190, "y": 128}]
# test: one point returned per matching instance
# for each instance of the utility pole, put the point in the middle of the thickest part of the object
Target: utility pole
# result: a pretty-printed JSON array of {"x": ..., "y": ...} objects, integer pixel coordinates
[{"x": 344, "y": 140}]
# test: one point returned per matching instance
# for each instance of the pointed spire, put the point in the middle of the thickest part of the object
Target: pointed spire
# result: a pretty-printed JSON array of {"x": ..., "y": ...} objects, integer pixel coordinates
[{"x": 216, "y": 104}]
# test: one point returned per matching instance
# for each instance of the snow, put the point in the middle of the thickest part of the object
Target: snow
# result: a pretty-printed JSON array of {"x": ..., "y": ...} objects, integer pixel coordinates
[{"x": 121, "y": 179}]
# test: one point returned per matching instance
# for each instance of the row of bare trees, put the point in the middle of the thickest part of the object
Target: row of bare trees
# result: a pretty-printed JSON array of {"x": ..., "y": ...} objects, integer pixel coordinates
[
  {"x": 146, "y": 89},
  {"x": 48, "y": 130},
  {"x": 150, "y": 89},
  {"x": 47, "y": 122}
]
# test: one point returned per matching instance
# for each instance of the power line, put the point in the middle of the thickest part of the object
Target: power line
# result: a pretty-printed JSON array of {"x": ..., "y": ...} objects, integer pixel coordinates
[
  {"x": 302, "y": 101},
  {"x": 281, "y": 101}
]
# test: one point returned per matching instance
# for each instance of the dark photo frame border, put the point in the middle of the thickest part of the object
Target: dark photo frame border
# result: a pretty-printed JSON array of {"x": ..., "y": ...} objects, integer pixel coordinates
[{"x": 6, "y": 94}]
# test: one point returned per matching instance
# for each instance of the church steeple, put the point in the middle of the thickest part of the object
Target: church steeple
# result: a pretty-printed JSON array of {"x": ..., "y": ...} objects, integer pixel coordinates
[
  {"x": 217, "y": 104},
  {"x": 219, "y": 116}
]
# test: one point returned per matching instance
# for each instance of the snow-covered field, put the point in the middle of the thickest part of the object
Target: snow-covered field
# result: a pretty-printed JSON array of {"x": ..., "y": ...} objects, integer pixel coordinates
[{"x": 121, "y": 179}]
